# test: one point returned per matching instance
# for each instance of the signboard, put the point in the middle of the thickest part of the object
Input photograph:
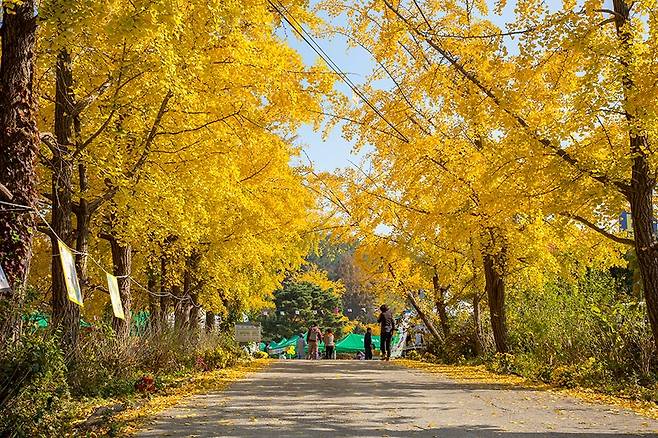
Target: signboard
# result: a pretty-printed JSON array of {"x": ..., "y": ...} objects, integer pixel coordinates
[
  {"x": 70, "y": 275},
  {"x": 4, "y": 283},
  {"x": 247, "y": 333},
  {"x": 115, "y": 296}
]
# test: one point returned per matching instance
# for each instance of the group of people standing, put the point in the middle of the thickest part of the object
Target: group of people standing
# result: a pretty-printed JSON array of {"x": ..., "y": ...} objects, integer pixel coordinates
[{"x": 313, "y": 338}]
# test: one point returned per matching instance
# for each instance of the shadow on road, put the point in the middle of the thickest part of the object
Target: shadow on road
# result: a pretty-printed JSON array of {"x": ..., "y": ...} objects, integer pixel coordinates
[{"x": 374, "y": 399}]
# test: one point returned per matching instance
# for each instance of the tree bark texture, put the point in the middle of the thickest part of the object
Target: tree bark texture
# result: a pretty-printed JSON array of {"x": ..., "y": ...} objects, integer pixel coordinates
[
  {"x": 439, "y": 298},
  {"x": 494, "y": 274},
  {"x": 66, "y": 314},
  {"x": 19, "y": 144},
  {"x": 477, "y": 322},
  {"x": 428, "y": 322},
  {"x": 210, "y": 322},
  {"x": 640, "y": 191},
  {"x": 122, "y": 261}
]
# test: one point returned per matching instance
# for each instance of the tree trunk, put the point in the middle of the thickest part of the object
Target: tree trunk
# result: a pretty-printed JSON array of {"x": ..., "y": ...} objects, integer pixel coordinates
[
  {"x": 426, "y": 320},
  {"x": 640, "y": 193},
  {"x": 495, "y": 288},
  {"x": 439, "y": 296},
  {"x": 477, "y": 321},
  {"x": 83, "y": 221},
  {"x": 154, "y": 302},
  {"x": 19, "y": 143},
  {"x": 194, "y": 313},
  {"x": 66, "y": 314},
  {"x": 122, "y": 261},
  {"x": 210, "y": 321},
  {"x": 181, "y": 309},
  {"x": 164, "y": 295}
]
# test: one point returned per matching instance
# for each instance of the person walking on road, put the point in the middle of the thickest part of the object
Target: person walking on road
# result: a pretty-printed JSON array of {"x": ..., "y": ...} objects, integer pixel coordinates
[
  {"x": 367, "y": 344},
  {"x": 313, "y": 338},
  {"x": 387, "y": 326},
  {"x": 329, "y": 345},
  {"x": 299, "y": 347}
]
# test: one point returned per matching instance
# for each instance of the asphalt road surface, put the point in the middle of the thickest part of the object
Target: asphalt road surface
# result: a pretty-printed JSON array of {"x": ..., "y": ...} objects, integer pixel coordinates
[{"x": 377, "y": 399}]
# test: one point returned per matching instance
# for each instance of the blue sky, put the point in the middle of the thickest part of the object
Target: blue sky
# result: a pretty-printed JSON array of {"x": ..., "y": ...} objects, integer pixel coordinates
[{"x": 334, "y": 151}]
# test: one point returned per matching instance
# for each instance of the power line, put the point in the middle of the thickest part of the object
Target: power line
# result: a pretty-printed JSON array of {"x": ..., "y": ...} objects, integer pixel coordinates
[
  {"x": 310, "y": 41},
  {"x": 28, "y": 209}
]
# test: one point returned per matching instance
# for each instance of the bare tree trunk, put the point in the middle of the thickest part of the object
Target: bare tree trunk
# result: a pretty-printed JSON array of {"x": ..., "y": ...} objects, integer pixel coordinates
[
  {"x": 164, "y": 292},
  {"x": 194, "y": 313},
  {"x": 122, "y": 261},
  {"x": 83, "y": 220},
  {"x": 495, "y": 288},
  {"x": 181, "y": 310},
  {"x": 439, "y": 297},
  {"x": 640, "y": 192},
  {"x": 19, "y": 143},
  {"x": 210, "y": 321},
  {"x": 477, "y": 321},
  {"x": 66, "y": 315},
  {"x": 428, "y": 322},
  {"x": 154, "y": 302}
]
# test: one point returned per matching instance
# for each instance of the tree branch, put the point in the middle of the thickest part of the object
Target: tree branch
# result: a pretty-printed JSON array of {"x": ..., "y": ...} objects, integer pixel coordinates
[
  {"x": 147, "y": 143},
  {"x": 622, "y": 187},
  {"x": 591, "y": 225}
]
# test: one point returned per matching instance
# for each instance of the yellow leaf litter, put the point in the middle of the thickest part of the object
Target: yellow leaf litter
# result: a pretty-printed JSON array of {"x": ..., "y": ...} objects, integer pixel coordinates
[
  {"x": 479, "y": 374},
  {"x": 131, "y": 421}
]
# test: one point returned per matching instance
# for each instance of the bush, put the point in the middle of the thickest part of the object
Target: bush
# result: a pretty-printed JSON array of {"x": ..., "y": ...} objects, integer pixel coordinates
[
  {"x": 564, "y": 376},
  {"x": 503, "y": 363},
  {"x": 261, "y": 355},
  {"x": 413, "y": 355},
  {"x": 104, "y": 366},
  {"x": 33, "y": 388}
]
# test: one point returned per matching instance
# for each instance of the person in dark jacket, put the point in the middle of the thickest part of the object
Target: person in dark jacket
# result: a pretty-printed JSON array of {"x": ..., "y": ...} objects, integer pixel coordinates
[
  {"x": 367, "y": 343},
  {"x": 387, "y": 325}
]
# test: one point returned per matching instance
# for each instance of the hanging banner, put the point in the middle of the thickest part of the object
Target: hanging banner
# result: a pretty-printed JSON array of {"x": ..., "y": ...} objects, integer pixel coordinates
[
  {"x": 4, "y": 283},
  {"x": 115, "y": 296},
  {"x": 70, "y": 275}
]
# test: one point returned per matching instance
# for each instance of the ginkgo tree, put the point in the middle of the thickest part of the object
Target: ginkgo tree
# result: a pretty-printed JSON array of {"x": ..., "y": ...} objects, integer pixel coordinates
[
  {"x": 171, "y": 128},
  {"x": 454, "y": 161},
  {"x": 575, "y": 101}
]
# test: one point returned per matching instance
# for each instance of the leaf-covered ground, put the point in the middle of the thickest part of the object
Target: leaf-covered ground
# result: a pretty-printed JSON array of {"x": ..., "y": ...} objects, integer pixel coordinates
[
  {"x": 135, "y": 410},
  {"x": 479, "y": 374}
]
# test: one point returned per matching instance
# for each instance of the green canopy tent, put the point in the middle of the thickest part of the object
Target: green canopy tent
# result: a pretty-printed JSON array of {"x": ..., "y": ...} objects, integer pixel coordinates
[{"x": 353, "y": 343}]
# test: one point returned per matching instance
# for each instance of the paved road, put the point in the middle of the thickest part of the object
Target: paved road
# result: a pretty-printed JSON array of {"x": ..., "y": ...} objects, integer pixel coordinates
[{"x": 375, "y": 399}]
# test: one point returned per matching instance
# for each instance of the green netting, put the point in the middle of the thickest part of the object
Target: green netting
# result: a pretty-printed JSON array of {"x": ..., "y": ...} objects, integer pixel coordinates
[
  {"x": 37, "y": 319},
  {"x": 41, "y": 320}
]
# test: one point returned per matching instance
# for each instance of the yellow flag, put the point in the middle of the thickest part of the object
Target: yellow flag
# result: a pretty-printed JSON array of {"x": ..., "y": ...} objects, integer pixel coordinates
[
  {"x": 115, "y": 296},
  {"x": 70, "y": 274}
]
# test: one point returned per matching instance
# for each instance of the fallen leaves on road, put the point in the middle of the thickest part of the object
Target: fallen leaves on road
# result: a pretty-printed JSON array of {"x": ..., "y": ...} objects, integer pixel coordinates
[
  {"x": 479, "y": 374},
  {"x": 130, "y": 421}
]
